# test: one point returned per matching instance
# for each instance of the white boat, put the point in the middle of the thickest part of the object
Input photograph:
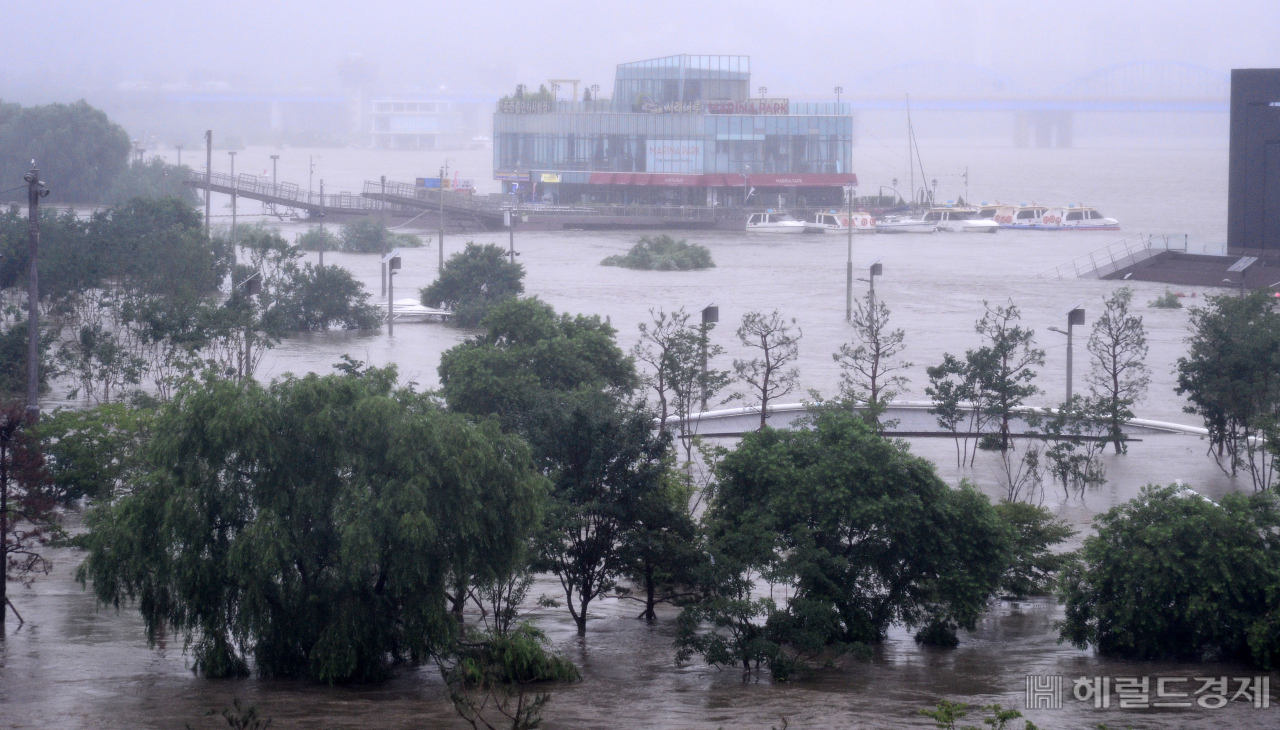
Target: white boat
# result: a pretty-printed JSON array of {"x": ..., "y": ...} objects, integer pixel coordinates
[
  {"x": 1077, "y": 218},
  {"x": 774, "y": 222},
  {"x": 838, "y": 222},
  {"x": 412, "y": 310},
  {"x": 1026, "y": 215},
  {"x": 905, "y": 224},
  {"x": 960, "y": 220}
]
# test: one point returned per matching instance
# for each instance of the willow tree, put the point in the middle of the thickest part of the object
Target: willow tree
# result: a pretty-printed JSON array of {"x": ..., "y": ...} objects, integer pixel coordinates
[{"x": 311, "y": 525}]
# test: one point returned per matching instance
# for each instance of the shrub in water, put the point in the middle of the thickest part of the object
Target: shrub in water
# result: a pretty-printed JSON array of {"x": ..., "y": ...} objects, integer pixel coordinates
[{"x": 663, "y": 253}]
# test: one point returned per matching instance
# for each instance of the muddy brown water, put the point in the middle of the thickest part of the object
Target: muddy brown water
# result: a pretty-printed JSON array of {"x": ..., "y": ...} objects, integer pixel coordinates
[{"x": 76, "y": 665}]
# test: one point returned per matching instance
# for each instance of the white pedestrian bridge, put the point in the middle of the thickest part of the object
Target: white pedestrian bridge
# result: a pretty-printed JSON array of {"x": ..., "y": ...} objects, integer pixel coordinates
[{"x": 908, "y": 419}]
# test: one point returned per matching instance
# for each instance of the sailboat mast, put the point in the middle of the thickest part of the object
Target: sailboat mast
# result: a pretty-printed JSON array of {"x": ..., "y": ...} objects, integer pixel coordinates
[{"x": 911, "y": 162}]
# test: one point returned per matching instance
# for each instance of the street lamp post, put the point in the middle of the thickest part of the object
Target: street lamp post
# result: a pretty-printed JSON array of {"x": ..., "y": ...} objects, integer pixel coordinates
[
  {"x": 876, "y": 269},
  {"x": 848, "y": 293},
  {"x": 179, "y": 148},
  {"x": 710, "y": 315},
  {"x": 1075, "y": 316},
  {"x": 839, "y": 91},
  {"x": 232, "y": 153},
  {"x": 208, "y": 176},
  {"x": 392, "y": 262},
  {"x": 763, "y": 90}
]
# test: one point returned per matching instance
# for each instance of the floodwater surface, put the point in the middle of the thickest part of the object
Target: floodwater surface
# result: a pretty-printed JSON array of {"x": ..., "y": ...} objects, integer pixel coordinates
[{"x": 76, "y": 665}]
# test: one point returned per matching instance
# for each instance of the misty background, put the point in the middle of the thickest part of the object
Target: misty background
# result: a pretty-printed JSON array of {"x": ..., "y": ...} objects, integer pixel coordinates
[{"x": 167, "y": 71}]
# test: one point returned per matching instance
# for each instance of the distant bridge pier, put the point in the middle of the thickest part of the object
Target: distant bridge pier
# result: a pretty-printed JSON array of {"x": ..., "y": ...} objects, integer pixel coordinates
[{"x": 1049, "y": 128}]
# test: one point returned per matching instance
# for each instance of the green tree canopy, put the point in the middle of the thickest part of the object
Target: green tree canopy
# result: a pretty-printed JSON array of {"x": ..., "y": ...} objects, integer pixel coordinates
[
  {"x": 368, "y": 235},
  {"x": 78, "y": 149},
  {"x": 154, "y": 178},
  {"x": 307, "y": 525},
  {"x": 1171, "y": 575},
  {"x": 473, "y": 282},
  {"x": 866, "y": 534},
  {"x": 526, "y": 352},
  {"x": 1231, "y": 376},
  {"x": 663, "y": 253}
]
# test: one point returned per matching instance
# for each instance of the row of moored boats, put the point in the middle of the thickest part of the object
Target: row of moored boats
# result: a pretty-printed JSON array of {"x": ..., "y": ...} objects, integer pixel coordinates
[{"x": 984, "y": 218}]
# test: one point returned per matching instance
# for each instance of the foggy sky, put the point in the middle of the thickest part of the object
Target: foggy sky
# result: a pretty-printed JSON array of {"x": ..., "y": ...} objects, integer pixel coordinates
[{"x": 56, "y": 48}]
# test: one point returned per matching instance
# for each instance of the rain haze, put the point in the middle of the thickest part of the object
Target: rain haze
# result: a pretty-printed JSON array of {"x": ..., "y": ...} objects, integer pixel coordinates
[{"x": 258, "y": 190}]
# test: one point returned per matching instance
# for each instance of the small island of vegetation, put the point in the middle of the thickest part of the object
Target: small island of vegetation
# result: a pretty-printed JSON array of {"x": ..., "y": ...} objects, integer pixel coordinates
[{"x": 663, "y": 253}]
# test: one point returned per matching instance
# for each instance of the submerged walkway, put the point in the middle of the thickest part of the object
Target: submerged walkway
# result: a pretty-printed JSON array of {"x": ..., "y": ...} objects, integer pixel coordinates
[{"x": 913, "y": 421}]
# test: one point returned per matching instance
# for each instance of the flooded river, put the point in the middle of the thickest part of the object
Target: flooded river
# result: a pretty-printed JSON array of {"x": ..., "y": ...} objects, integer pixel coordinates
[{"x": 75, "y": 666}]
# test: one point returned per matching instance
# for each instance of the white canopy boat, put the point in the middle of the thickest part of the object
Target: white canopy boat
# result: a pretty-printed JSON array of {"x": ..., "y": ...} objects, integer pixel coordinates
[
  {"x": 905, "y": 224},
  {"x": 1077, "y": 218},
  {"x": 960, "y": 220},
  {"x": 774, "y": 222},
  {"x": 412, "y": 310},
  {"x": 838, "y": 222}
]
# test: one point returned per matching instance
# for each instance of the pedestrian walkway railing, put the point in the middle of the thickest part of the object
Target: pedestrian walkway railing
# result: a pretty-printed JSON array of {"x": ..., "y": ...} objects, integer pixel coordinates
[{"x": 1111, "y": 258}]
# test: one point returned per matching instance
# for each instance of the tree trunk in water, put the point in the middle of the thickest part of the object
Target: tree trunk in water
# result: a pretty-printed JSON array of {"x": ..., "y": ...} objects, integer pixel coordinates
[{"x": 649, "y": 589}]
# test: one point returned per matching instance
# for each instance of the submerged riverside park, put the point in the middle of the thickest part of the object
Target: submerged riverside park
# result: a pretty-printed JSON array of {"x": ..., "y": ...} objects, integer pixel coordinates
[
  {"x": 77, "y": 664},
  {"x": 250, "y": 501}
]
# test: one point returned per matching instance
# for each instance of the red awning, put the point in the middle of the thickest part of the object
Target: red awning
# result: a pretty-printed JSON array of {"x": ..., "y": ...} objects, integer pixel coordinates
[{"x": 730, "y": 180}]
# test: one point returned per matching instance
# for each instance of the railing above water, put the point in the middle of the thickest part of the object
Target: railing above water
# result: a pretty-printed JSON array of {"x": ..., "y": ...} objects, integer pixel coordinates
[{"x": 1127, "y": 251}]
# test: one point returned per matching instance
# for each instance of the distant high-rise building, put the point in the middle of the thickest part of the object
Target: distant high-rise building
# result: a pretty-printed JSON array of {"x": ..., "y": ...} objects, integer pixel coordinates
[{"x": 1253, "y": 202}]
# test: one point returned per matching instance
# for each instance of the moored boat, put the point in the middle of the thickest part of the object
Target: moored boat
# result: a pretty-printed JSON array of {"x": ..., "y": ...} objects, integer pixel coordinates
[
  {"x": 960, "y": 220},
  {"x": 905, "y": 224},
  {"x": 1077, "y": 218},
  {"x": 774, "y": 222},
  {"x": 838, "y": 222}
]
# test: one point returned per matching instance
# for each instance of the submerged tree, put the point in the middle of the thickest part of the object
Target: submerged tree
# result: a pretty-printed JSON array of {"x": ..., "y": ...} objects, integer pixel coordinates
[
  {"x": 863, "y": 534},
  {"x": 771, "y": 374},
  {"x": 606, "y": 466},
  {"x": 473, "y": 282},
  {"x": 870, "y": 363},
  {"x": 28, "y": 517},
  {"x": 1119, "y": 374},
  {"x": 306, "y": 525},
  {"x": 1231, "y": 376}
]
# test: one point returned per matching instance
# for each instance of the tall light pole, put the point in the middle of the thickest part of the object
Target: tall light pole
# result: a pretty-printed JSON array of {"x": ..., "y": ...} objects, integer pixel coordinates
[
  {"x": 275, "y": 190},
  {"x": 710, "y": 315},
  {"x": 440, "y": 195},
  {"x": 208, "y": 175},
  {"x": 1075, "y": 316},
  {"x": 322, "y": 238},
  {"x": 179, "y": 147},
  {"x": 848, "y": 294},
  {"x": 392, "y": 263},
  {"x": 839, "y": 91},
  {"x": 383, "y": 206},
  {"x": 763, "y": 90},
  {"x": 35, "y": 191},
  {"x": 232, "y": 153},
  {"x": 876, "y": 269}
]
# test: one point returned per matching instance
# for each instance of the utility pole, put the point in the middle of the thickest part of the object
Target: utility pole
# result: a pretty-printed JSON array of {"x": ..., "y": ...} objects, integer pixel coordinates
[
  {"x": 440, "y": 195},
  {"x": 848, "y": 291},
  {"x": 208, "y": 175},
  {"x": 233, "y": 195},
  {"x": 710, "y": 315},
  {"x": 179, "y": 155},
  {"x": 322, "y": 238},
  {"x": 1075, "y": 316},
  {"x": 384, "y": 233},
  {"x": 35, "y": 191},
  {"x": 275, "y": 189},
  {"x": 511, "y": 233}
]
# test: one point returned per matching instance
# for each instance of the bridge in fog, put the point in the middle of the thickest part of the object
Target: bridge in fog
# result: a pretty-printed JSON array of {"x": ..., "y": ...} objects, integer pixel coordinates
[{"x": 1044, "y": 114}]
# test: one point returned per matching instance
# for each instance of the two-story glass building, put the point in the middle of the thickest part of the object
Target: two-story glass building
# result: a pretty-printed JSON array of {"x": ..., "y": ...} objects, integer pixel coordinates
[{"x": 680, "y": 130}]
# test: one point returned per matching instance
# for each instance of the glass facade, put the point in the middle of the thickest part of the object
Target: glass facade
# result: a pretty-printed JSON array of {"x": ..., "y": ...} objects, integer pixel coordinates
[
  {"x": 684, "y": 78},
  {"x": 689, "y": 116},
  {"x": 675, "y": 143}
]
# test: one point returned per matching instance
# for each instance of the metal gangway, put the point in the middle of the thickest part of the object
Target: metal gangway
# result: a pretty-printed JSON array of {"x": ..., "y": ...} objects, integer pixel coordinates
[
  {"x": 284, "y": 194},
  {"x": 1113, "y": 257}
]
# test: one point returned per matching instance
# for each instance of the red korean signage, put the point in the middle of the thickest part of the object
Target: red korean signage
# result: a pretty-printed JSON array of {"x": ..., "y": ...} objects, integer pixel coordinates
[{"x": 750, "y": 107}]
